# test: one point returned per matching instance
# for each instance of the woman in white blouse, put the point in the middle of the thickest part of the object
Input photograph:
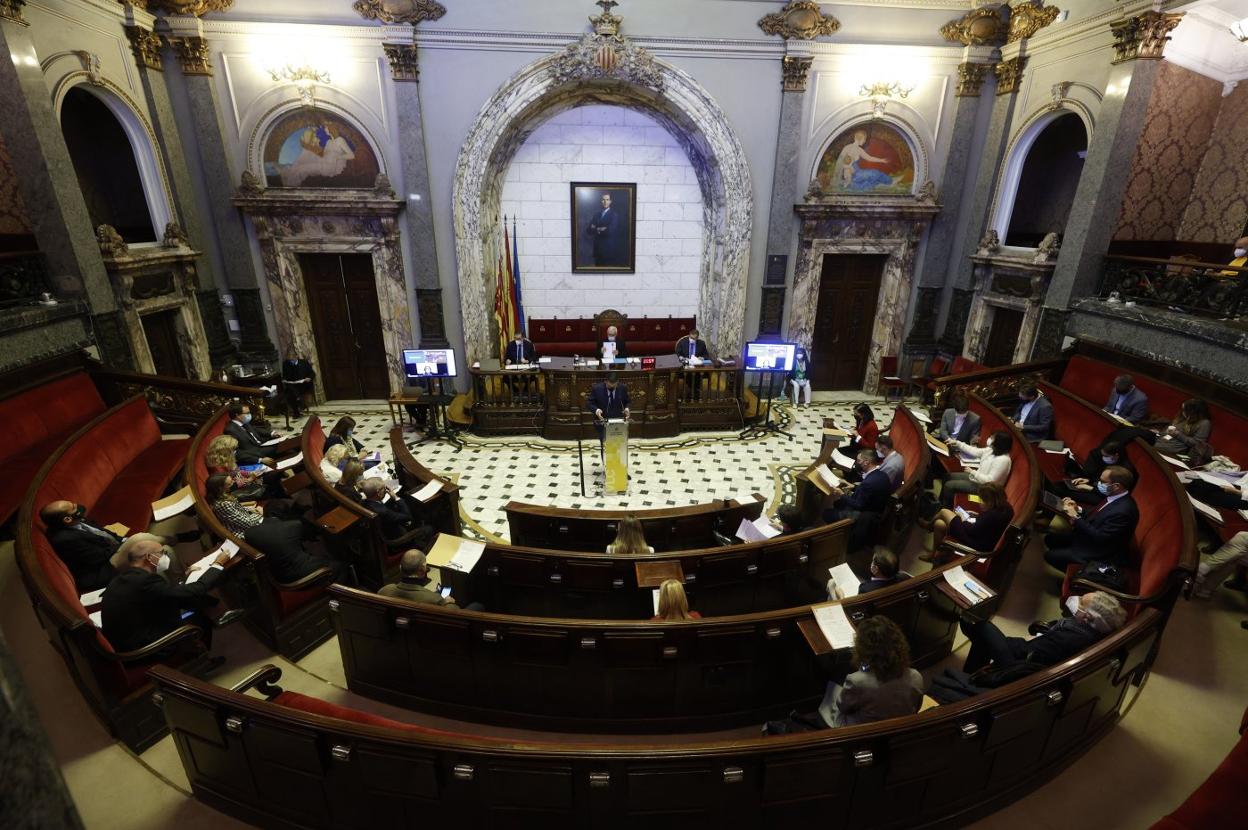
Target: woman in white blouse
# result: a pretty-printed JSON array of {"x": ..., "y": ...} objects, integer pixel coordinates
[
  {"x": 333, "y": 461},
  {"x": 993, "y": 466}
]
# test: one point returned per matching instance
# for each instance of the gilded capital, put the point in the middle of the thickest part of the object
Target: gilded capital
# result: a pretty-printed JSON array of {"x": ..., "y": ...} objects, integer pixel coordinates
[
  {"x": 984, "y": 26},
  {"x": 799, "y": 20},
  {"x": 399, "y": 11},
  {"x": 795, "y": 72},
  {"x": 1143, "y": 36},
  {"x": 1027, "y": 18},
  {"x": 12, "y": 10},
  {"x": 402, "y": 58},
  {"x": 145, "y": 45},
  {"x": 193, "y": 55},
  {"x": 971, "y": 78},
  {"x": 1009, "y": 75}
]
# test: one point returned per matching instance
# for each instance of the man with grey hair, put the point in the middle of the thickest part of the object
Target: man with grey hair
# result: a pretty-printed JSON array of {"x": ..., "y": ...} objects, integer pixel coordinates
[
  {"x": 612, "y": 346},
  {"x": 1093, "y": 616},
  {"x": 413, "y": 583}
]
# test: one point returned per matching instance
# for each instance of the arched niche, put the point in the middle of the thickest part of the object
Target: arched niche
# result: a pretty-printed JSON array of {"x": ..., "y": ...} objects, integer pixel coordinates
[
  {"x": 284, "y": 115},
  {"x": 112, "y": 150},
  {"x": 1042, "y": 170},
  {"x": 855, "y": 117},
  {"x": 676, "y": 101}
]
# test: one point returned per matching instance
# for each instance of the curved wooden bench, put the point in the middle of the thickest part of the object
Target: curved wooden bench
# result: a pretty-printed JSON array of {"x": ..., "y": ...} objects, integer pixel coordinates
[
  {"x": 291, "y": 619},
  {"x": 443, "y": 509},
  {"x": 298, "y": 766},
  {"x": 666, "y": 528}
]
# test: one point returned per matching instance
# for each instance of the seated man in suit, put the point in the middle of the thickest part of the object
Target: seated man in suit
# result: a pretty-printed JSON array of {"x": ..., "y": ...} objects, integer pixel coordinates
[
  {"x": 519, "y": 351},
  {"x": 87, "y": 549},
  {"x": 281, "y": 541},
  {"x": 613, "y": 346},
  {"x": 393, "y": 513},
  {"x": 607, "y": 400},
  {"x": 250, "y": 444},
  {"x": 1035, "y": 413},
  {"x": 1127, "y": 400},
  {"x": 892, "y": 462},
  {"x": 870, "y": 496},
  {"x": 959, "y": 423},
  {"x": 1104, "y": 534},
  {"x": 1093, "y": 616},
  {"x": 885, "y": 571},
  {"x": 297, "y": 381},
  {"x": 1083, "y": 477},
  {"x": 692, "y": 345},
  {"x": 139, "y": 606}
]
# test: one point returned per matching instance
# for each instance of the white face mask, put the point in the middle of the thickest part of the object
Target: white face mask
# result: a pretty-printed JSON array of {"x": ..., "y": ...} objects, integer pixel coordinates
[
  {"x": 1241, "y": 252},
  {"x": 246, "y": 419},
  {"x": 163, "y": 564},
  {"x": 1072, "y": 605}
]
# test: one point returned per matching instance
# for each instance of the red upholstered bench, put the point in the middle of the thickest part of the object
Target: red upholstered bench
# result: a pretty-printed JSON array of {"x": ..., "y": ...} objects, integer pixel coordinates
[
  {"x": 36, "y": 422},
  {"x": 643, "y": 336},
  {"x": 1078, "y": 424},
  {"x": 1222, "y": 800}
]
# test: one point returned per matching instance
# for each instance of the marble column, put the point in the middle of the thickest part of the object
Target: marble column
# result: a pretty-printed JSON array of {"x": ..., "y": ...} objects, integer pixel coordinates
[
  {"x": 941, "y": 254},
  {"x": 1106, "y": 169},
  {"x": 422, "y": 253},
  {"x": 49, "y": 187},
  {"x": 152, "y": 54},
  {"x": 1008, "y": 75},
  {"x": 224, "y": 224},
  {"x": 783, "y": 225}
]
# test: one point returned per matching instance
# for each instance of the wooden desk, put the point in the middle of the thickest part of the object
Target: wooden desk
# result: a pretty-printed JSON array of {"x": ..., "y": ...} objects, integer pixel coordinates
[{"x": 654, "y": 574}]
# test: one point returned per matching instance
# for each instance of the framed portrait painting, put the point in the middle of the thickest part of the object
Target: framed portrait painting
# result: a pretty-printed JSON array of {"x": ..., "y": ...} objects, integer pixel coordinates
[
  {"x": 604, "y": 228},
  {"x": 872, "y": 158}
]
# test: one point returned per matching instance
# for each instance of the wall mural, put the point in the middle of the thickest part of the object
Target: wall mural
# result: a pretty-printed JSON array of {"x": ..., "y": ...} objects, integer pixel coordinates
[
  {"x": 868, "y": 159},
  {"x": 315, "y": 148}
]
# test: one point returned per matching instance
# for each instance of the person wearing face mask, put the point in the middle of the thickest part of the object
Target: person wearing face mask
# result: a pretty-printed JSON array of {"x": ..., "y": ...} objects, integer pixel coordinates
[
  {"x": 892, "y": 462},
  {"x": 612, "y": 346},
  {"x": 140, "y": 606},
  {"x": 959, "y": 423},
  {"x": 250, "y": 450},
  {"x": 800, "y": 376},
  {"x": 1034, "y": 415},
  {"x": 519, "y": 351},
  {"x": 1127, "y": 401},
  {"x": 870, "y": 496},
  {"x": 1101, "y": 533},
  {"x": 1081, "y": 485},
  {"x": 993, "y": 466},
  {"x": 88, "y": 550},
  {"x": 1239, "y": 258}
]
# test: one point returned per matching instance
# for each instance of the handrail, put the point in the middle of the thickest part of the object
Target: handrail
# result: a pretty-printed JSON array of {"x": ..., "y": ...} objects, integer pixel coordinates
[{"x": 1178, "y": 262}]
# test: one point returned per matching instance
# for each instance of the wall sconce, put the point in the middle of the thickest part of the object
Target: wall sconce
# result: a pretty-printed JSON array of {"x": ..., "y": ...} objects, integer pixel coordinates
[
  {"x": 881, "y": 91},
  {"x": 1240, "y": 29},
  {"x": 305, "y": 79}
]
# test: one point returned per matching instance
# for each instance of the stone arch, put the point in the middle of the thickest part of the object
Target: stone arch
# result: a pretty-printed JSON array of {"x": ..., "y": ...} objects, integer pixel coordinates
[
  {"x": 258, "y": 126},
  {"x": 676, "y": 101}
]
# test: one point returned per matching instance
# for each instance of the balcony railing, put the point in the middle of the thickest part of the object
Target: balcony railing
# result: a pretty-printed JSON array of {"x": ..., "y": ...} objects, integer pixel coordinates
[{"x": 1203, "y": 288}]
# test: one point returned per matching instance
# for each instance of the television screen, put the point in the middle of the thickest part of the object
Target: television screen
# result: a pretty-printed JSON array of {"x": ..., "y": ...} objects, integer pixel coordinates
[
  {"x": 428, "y": 363},
  {"x": 776, "y": 357}
]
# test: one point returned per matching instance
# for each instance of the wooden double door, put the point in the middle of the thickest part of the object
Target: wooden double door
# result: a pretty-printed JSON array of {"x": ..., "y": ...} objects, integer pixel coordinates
[
  {"x": 849, "y": 291},
  {"x": 346, "y": 323}
]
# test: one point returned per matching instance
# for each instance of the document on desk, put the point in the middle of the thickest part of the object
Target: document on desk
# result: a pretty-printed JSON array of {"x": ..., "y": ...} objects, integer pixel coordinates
[
  {"x": 759, "y": 530},
  {"x": 840, "y": 459},
  {"x": 745, "y": 498},
  {"x": 381, "y": 471},
  {"x": 938, "y": 445},
  {"x": 93, "y": 598},
  {"x": 200, "y": 567},
  {"x": 428, "y": 491},
  {"x": 467, "y": 555},
  {"x": 1210, "y": 513},
  {"x": 835, "y": 625},
  {"x": 1169, "y": 459},
  {"x": 118, "y": 528},
  {"x": 172, "y": 505},
  {"x": 541, "y": 360},
  {"x": 846, "y": 580},
  {"x": 273, "y": 441},
  {"x": 967, "y": 586},
  {"x": 655, "y": 592},
  {"x": 1119, "y": 419},
  {"x": 920, "y": 414},
  {"x": 286, "y": 463}
]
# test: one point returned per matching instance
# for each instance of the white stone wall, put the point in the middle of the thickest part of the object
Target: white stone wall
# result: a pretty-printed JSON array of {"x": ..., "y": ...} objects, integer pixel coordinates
[{"x": 603, "y": 143}]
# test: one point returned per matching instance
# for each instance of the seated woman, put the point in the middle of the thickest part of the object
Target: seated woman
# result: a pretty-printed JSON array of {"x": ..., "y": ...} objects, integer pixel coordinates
[
  {"x": 980, "y": 531},
  {"x": 864, "y": 431},
  {"x": 1188, "y": 435},
  {"x": 237, "y": 518},
  {"x": 333, "y": 462},
  {"x": 994, "y": 466},
  {"x": 630, "y": 538},
  {"x": 343, "y": 434},
  {"x": 673, "y": 604},
  {"x": 884, "y": 686},
  {"x": 349, "y": 483},
  {"x": 219, "y": 458}
]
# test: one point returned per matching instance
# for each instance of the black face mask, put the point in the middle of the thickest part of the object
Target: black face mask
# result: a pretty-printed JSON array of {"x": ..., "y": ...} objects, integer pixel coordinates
[{"x": 79, "y": 513}]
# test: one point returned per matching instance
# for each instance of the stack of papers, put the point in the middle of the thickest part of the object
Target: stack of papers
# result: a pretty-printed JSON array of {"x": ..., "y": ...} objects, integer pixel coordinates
[
  {"x": 201, "y": 567},
  {"x": 840, "y": 459},
  {"x": 967, "y": 586},
  {"x": 845, "y": 579},
  {"x": 825, "y": 479},
  {"x": 836, "y": 627},
  {"x": 759, "y": 530},
  {"x": 172, "y": 505}
]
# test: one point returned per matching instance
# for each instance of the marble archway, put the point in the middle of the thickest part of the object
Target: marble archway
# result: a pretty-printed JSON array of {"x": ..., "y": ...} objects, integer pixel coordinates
[{"x": 633, "y": 78}]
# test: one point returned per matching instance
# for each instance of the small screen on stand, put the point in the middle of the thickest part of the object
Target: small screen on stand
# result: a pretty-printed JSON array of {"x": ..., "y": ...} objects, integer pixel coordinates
[
  {"x": 775, "y": 357},
  {"x": 419, "y": 364}
]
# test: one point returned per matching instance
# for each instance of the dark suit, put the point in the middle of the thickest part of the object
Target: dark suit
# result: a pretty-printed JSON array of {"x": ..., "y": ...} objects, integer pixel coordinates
[
  {"x": 140, "y": 607},
  {"x": 876, "y": 583},
  {"x": 968, "y": 434},
  {"x": 1132, "y": 406},
  {"x": 1039, "y": 422},
  {"x": 394, "y": 515},
  {"x": 606, "y": 229},
  {"x": 1103, "y": 536},
  {"x": 86, "y": 553},
  {"x": 296, "y": 377},
  {"x": 282, "y": 544},
  {"x": 524, "y": 353},
  {"x": 620, "y": 349},
  {"x": 1091, "y": 469},
  {"x": 611, "y": 404},
  {"x": 870, "y": 496},
  {"x": 985, "y": 531},
  {"x": 699, "y": 348},
  {"x": 249, "y": 450},
  {"x": 1063, "y": 640}
]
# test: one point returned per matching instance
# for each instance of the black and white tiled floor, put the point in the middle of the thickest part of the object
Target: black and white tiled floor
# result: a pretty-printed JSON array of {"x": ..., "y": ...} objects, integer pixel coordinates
[{"x": 690, "y": 469}]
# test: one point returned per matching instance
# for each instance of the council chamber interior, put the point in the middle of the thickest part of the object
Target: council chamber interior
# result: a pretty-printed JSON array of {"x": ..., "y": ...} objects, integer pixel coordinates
[{"x": 715, "y": 413}]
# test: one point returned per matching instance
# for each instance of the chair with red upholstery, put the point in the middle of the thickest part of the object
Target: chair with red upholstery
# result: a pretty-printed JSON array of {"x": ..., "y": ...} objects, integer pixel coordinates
[
  {"x": 910, "y": 440},
  {"x": 889, "y": 381},
  {"x": 925, "y": 385},
  {"x": 1221, "y": 797}
]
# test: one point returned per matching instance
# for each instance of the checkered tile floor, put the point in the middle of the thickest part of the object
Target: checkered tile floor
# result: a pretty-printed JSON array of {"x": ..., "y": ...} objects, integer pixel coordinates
[{"x": 690, "y": 469}]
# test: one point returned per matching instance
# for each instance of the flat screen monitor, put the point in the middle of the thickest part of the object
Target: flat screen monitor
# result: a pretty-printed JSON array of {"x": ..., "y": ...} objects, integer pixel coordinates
[
  {"x": 776, "y": 357},
  {"x": 428, "y": 363}
]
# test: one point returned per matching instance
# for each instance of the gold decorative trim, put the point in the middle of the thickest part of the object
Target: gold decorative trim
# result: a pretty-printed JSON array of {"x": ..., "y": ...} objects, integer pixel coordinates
[
  {"x": 11, "y": 10},
  {"x": 971, "y": 79},
  {"x": 402, "y": 58},
  {"x": 799, "y": 20},
  {"x": 1009, "y": 75},
  {"x": 984, "y": 26},
  {"x": 796, "y": 70},
  {"x": 198, "y": 8},
  {"x": 399, "y": 11},
  {"x": 194, "y": 56},
  {"x": 1028, "y": 17},
  {"x": 146, "y": 47},
  {"x": 1143, "y": 36}
]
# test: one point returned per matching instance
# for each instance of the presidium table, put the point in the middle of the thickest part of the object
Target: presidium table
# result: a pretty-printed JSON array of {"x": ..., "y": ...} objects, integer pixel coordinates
[{"x": 666, "y": 397}]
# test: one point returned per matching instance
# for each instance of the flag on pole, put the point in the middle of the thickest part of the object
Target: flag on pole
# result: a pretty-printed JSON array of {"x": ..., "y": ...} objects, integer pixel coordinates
[
  {"x": 509, "y": 294},
  {"x": 517, "y": 298},
  {"x": 500, "y": 314}
]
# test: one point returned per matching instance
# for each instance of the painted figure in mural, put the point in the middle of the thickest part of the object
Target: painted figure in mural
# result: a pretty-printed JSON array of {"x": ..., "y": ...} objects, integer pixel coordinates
[
  {"x": 853, "y": 175},
  {"x": 323, "y": 152},
  {"x": 606, "y": 230}
]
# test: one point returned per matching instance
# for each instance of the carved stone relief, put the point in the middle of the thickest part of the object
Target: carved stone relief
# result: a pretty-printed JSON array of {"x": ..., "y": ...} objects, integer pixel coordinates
[{"x": 799, "y": 20}]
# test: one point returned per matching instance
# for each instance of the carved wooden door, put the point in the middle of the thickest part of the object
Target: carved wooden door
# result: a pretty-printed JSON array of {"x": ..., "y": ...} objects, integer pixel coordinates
[
  {"x": 346, "y": 323},
  {"x": 849, "y": 289},
  {"x": 161, "y": 331},
  {"x": 1003, "y": 337}
]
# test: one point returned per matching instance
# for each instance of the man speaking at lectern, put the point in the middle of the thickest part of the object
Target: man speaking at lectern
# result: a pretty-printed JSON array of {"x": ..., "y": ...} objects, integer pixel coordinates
[{"x": 607, "y": 400}]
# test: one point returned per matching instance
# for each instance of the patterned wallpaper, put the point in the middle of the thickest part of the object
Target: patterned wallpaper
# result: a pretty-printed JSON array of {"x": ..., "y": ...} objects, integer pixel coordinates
[
  {"x": 1167, "y": 165},
  {"x": 12, "y": 211},
  {"x": 1218, "y": 210}
]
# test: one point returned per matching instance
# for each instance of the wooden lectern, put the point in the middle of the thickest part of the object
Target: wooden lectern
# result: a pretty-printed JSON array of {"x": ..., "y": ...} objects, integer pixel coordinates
[{"x": 615, "y": 455}]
